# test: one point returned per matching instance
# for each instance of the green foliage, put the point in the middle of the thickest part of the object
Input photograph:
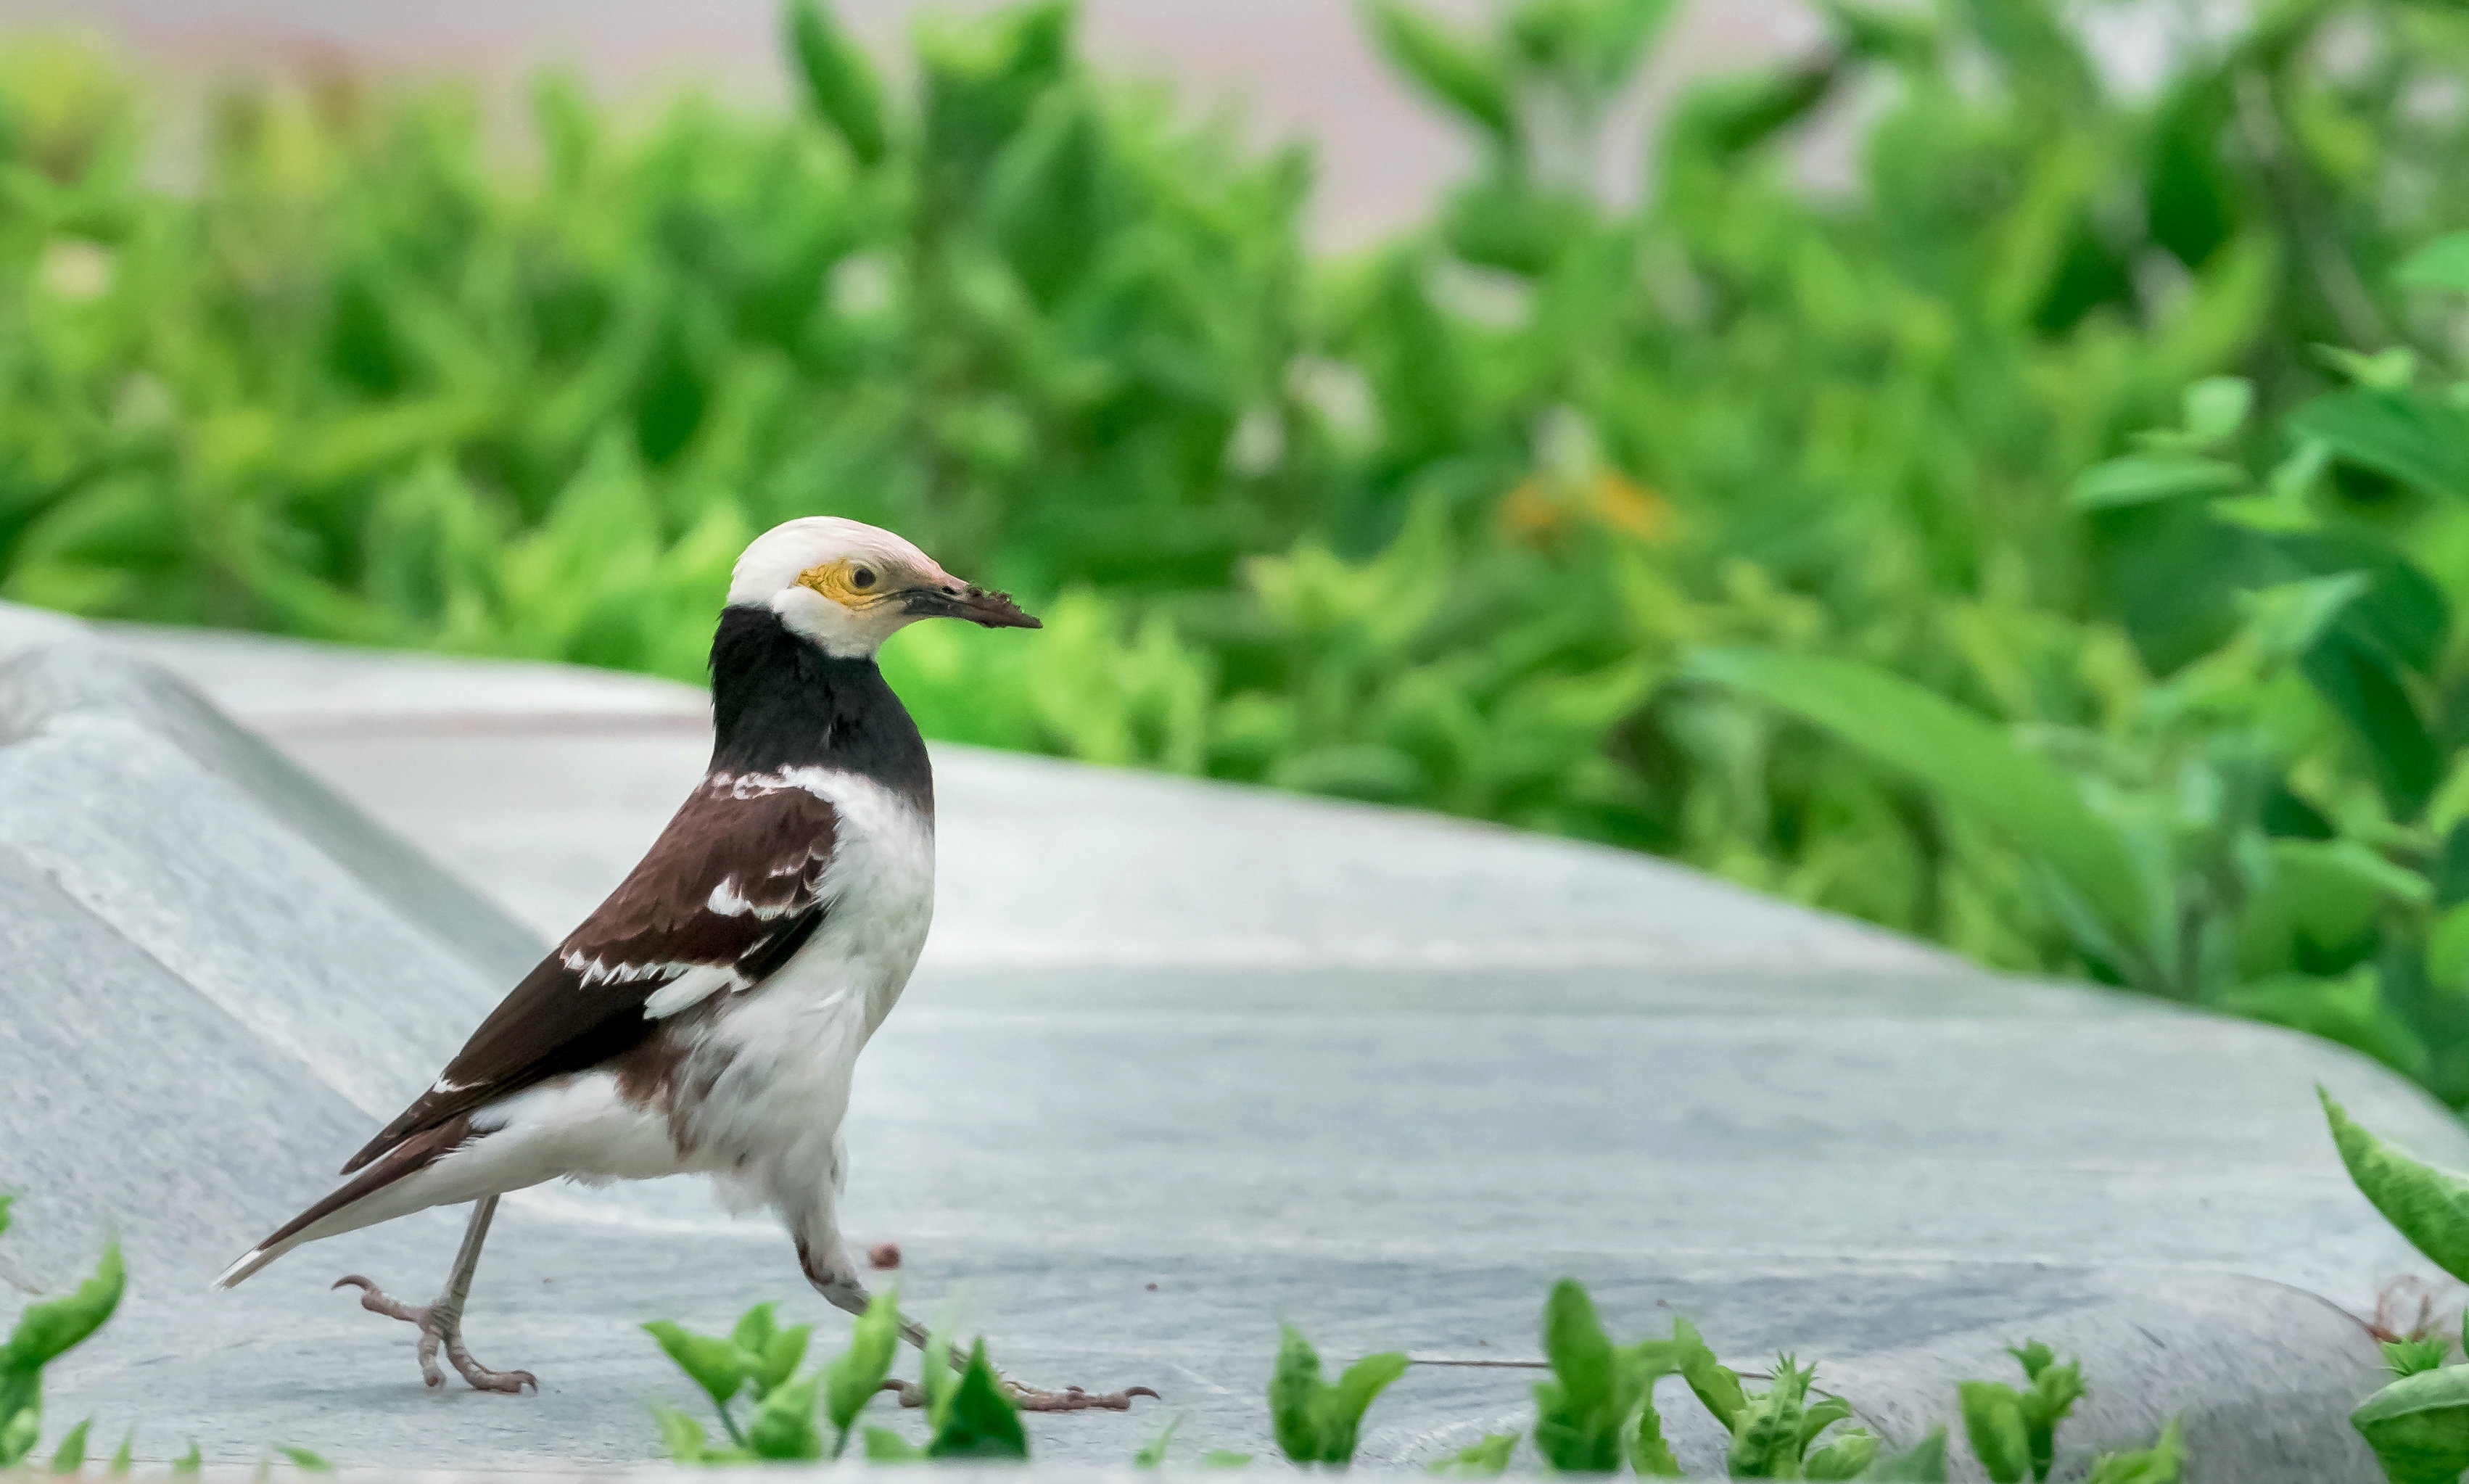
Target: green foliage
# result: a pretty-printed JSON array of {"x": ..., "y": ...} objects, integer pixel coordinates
[
  {"x": 2164, "y": 1462},
  {"x": 1473, "y": 520},
  {"x": 1598, "y": 1410},
  {"x": 2418, "y": 1426},
  {"x": 760, "y": 1356},
  {"x": 2427, "y": 1205},
  {"x": 2406, "y": 1357},
  {"x": 1316, "y": 1422},
  {"x": 69, "y": 1457},
  {"x": 43, "y": 1332}
]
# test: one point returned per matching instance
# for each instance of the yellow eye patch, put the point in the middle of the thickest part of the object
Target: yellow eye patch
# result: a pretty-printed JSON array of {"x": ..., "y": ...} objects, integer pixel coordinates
[{"x": 847, "y": 582}]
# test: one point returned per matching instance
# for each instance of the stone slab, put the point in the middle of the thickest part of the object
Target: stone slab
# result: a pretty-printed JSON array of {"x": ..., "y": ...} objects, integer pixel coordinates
[{"x": 1382, "y": 1075}]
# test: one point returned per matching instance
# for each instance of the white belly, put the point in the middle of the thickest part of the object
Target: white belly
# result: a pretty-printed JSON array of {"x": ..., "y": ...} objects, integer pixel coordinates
[{"x": 776, "y": 1061}]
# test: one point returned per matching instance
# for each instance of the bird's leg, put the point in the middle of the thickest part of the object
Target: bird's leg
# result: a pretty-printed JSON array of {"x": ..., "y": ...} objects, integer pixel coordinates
[
  {"x": 441, "y": 1323},
  {"x": 844, "y": 1291}
]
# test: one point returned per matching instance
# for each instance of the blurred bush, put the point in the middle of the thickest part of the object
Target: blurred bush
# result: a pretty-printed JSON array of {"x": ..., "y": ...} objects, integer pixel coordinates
[{"x": 1442, "y": 522}]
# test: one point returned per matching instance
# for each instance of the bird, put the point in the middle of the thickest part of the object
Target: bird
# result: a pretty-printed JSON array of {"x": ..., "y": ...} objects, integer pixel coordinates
[{"x": 706, "y": 1018}]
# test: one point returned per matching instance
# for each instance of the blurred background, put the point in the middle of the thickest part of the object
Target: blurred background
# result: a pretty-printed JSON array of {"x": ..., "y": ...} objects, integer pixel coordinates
[{"x": 1993, "y": 468}]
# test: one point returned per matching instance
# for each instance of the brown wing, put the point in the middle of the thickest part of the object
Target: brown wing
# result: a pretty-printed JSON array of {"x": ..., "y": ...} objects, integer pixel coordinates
[{"x": 729, "y": 891}]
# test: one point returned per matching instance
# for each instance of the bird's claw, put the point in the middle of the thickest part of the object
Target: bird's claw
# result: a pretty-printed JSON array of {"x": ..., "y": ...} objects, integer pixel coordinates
[
  {"x": 439, "y": 1330},
  {"x": 1033, "y": 1399}
]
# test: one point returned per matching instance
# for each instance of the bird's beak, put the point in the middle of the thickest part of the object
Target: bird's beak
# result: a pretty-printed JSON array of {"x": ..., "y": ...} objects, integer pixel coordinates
[{"x": 962, "y": 600}]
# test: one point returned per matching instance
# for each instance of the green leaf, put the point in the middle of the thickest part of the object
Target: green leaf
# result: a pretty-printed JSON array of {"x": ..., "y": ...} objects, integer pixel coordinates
[
  {"x": 45, "y": 1332},
  {"x": 21, "y": 1426},
  {"x": 2447, "y": 951},
  {"x": 1152, "y": 1454},
  {"x": 1647, "y": 1453},
  {"x": 2427, "y": 1205},
  {"x": 1963, "y": 758},
  {"x": 1488, "y": 1459},
  {"x": 2289, "y": 618},
  {"x": 8, "y": 1198},
  {"x": 2406, "y": 1357},
  {"x": 885, "y": 1446},
  {"x": 123, "y": 1458},
  {"x": 190, "y": 1462},
  {"x": 716, "y": 1365},
  {"x": 1846, "y": 1456},
  {"x": 1224, "y": 1458},
  {"x": 2392, "y": 370},
  {"x": 784, "y": 1424},
  {"x": 1578, "y": 1414},
  {"x": 1718, "y": 1387},
  {"x": 2142, "y": 478},
  {"x": 936, "y": 1377},
  {"x": 780, "y": 1356},
  {"x": 1767, "y": 1434},
  {"x": 2442, "y": 264},
  {"x": 2164, "y": 1462},
  {"x": 1819, "y": 1415},
  {"x": 1314, "y": 1422},
  {"x": 70, "y": 1456},
  {"x": 755, "y": 1329},
  {"x": 1992, "y": 1419},
  {"x": 1294, "y": 1386},
  {"x": 1574, "y": 1341},
  {"x": 854, "y": 1377},
  {"x": 840, "y": 85},
  {"x": 681, "y": 1435},
  {"x": 1445, "y": 63},
  {"x": 303, "y": 1459},
  {"x": 2047, "y": 1401},
  {"x": 980, "y": 1422},
  {"x": 2217, "y": 407},
  {"x": 2409, "y": 438},
  {"x": 2363, "y": 680},
  {"x": 1922, "y": 1462},
  {"x": 1344, "y": 1405}
]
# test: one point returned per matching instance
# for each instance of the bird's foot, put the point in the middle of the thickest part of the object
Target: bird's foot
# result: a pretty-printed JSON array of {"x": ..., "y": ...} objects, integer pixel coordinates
[
  {"x": 441, "y": 1326},
  {"x": 1033, "y": 1399},
  {"x": 1070, "y": 1399}
]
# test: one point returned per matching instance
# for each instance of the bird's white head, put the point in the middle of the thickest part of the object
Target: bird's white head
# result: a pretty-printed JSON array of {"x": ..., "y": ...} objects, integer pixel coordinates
[{"x": 847, "y": 587}]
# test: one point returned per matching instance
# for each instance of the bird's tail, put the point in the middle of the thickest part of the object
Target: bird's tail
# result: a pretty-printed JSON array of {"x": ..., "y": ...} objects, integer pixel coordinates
[{"x": 380, "y": 1192}]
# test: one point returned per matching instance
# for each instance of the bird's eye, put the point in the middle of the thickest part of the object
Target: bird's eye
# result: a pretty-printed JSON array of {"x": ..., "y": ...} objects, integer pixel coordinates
[{"x": 863, "y": 578}]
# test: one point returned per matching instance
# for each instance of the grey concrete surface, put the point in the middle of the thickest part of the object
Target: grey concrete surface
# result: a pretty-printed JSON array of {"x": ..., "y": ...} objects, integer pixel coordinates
[{"x": 1182, "y": 1060}]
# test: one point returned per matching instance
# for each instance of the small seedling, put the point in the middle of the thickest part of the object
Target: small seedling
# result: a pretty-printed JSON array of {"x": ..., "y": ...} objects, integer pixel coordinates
[
  {"x": 1314, "y": 1421},
  {"x": 2013, "y": 1433},
  {"x": 2164, "y": 1462},
  {"x": 2406, "y": 1357},
  {"x": 43, "y": 1334},
  {"x": 971, "y": 1416},
  {"x": 759, "y": 1353}
]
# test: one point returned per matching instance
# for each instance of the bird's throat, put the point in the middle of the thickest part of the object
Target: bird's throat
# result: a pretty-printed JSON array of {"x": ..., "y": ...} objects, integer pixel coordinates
[{"x": 779, "y": 701}]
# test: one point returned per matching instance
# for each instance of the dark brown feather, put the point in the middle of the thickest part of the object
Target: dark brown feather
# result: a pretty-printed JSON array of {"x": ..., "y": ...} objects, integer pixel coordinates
[{"x": 766, "y": 843}]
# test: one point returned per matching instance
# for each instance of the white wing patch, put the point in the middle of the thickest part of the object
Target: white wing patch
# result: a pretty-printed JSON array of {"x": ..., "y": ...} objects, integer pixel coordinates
[{"x": 691, "y": 989}]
